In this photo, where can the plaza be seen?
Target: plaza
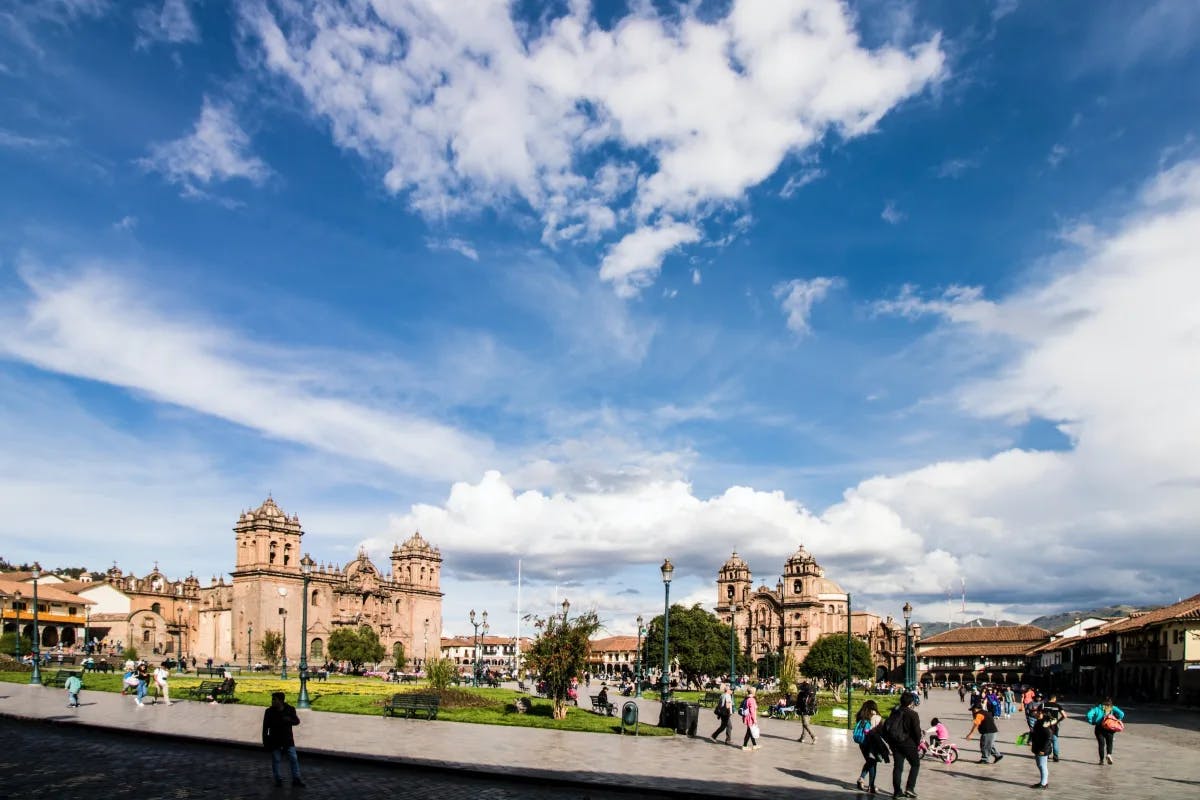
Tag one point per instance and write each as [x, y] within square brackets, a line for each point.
[1154, 756]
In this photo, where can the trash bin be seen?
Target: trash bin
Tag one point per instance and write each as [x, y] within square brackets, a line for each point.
[681, 718]
[693, 718]
[666, 714]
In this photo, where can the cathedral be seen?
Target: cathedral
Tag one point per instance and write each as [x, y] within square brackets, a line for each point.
[225, 621]
[803, 607]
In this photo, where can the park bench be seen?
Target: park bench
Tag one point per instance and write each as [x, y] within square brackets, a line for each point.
[211, 689]
[215, 672]
[319, 675]
[97, 666]
[710, 699]
[409, 704]
[59, 678]
[600, 707]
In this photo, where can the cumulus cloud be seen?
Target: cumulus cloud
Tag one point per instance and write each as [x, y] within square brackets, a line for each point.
[796, 297]
[1105, 346]
[216, 150]
[890, 214]
[171, 22]
[89, 325]
[454, 245]
[634, 129]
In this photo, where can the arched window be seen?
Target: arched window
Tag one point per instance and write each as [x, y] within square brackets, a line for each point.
[317, 648]
[287, 554]
[798, 587]
[145, 636]
[271, 554]
[316, 598]
[729, 591]
[156, 608]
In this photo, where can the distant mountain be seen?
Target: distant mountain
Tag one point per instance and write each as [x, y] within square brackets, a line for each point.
[934, 628]
[1057, 622]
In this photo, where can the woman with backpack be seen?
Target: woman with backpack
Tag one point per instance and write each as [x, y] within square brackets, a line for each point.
[1108, 721]
[866, 736]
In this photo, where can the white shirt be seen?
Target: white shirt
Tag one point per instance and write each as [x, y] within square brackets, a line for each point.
[160, 675]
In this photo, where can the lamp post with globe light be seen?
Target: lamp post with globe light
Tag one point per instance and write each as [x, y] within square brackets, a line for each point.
[667, 569]
[637, 670]
[283, 618]
[733, 609]
[910, 669]
[36, 676]
[475, 649]
[306, 565]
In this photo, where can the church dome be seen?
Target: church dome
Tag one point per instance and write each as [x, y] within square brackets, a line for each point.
[734, 562]
[414, 544]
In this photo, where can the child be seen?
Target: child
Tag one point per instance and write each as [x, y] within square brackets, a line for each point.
[937, 733]
[73, 685]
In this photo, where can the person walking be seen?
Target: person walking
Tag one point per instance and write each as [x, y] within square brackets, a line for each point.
[143, 682]
[749, 712]
[1052, 717]
[1040, 740]
[1010, 701]
[724, 712]
[985, 724]
[73, 686]
[806, 707]
[902, 732]
[962, 693]
[278, 721]
[161, 673]
[866, 736]
[1108, 721]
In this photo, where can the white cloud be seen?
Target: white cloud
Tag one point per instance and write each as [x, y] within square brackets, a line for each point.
[955, 167]
[623, 130]
[172, 23]
[801, 179]
[126, 223]
[634, 262]
[695, 277]
[797, 298]
[454, 245]
[17, 141]
[91, 326]
[1057, 153]
[216, 150]
[1107, 344]
[890, 214]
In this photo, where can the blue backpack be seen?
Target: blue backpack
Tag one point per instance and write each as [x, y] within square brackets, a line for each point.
[861, 730]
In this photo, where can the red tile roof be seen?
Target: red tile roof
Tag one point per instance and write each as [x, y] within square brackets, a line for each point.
[1184, 609]
[986, 635]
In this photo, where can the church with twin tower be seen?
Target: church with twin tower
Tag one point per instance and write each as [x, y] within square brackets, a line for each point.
[404, 606]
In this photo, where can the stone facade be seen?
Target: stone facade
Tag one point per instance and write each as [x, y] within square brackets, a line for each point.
[404, 607]
[803, 607]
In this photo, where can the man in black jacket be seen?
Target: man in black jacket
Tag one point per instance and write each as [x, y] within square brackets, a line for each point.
[278, 721]
[902, 731]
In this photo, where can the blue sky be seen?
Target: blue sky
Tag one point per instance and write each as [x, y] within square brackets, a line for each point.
[593, 285]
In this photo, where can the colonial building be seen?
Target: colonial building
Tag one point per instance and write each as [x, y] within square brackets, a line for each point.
[494, 652]
[613, 655]
[974, 654]
[62, 616]
[404, 606]
[803, 607]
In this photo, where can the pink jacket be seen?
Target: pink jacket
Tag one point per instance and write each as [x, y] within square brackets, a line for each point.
[751, 717]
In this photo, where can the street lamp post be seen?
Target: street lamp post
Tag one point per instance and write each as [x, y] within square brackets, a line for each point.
[475, 649]
[425, 658]
[637, 669]
[36, 677]
[16, 598]
[306, 565]
[733, 609]
[249, 639]
[178, 641]
[283, 614]
[87, 621]
[910, 671]
[667, 569]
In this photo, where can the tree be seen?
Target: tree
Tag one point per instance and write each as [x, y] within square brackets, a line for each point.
[271, 645]
[9, 647]
[699, 641]
[398, 657]
[359, 646]
[559, 653]
[826, 661]
[788, 672]
[440, 671]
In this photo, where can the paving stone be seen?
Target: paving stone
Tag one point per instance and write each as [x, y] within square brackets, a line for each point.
[1155, 756]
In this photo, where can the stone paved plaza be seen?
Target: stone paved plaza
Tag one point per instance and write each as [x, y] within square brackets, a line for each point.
[1155, 757]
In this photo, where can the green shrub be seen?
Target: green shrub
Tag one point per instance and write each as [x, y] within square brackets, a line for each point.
[440, 672]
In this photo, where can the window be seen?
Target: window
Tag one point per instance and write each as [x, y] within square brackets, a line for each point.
[316, 598]
[317, 648]
[797, 587]
[271, 554]
[729, 591]
[156, 608]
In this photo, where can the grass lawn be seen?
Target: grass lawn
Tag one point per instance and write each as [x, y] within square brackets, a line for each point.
[349, 695]
[825, 704]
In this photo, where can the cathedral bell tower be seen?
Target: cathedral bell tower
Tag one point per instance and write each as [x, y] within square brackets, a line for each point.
[268, 540]
[733, 584]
